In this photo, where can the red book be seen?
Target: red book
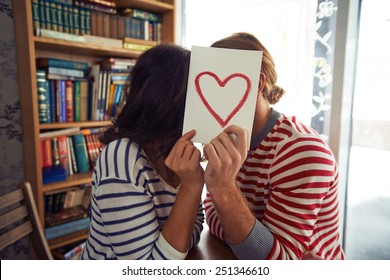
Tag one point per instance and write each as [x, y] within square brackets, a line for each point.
[63, 152]
[69, 101]
[46, 153]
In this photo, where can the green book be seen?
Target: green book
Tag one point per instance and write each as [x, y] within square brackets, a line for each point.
[35, 14]
[60, 18]
[80, 149]
[53, 16]
[42, 14]
[76, 99]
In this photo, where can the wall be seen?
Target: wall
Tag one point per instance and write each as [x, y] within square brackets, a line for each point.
[11, 148]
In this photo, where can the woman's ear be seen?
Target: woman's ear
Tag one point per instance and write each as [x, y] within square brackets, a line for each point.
[261, 83]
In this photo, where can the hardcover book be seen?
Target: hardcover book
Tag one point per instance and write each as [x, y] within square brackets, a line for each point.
[61, 63]
[81, 153]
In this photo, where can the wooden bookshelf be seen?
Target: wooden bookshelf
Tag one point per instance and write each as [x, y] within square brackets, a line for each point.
[63, 46]
[29, 47]
[51, 126]
[68, 239]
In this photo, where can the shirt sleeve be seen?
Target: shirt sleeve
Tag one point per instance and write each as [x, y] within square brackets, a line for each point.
[303, 177]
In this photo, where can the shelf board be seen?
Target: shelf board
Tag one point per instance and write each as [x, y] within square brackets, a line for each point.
[68, 239]
[63, 46]
[48, 126]
[71, 181]
[147, 5]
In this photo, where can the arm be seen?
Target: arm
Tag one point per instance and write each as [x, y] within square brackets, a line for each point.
[184, 161]
[225, 158]
[289, 242]
[127, 213]
[302, 211]
[198, 226]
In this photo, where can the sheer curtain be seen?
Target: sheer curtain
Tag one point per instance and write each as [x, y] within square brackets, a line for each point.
[286, 27]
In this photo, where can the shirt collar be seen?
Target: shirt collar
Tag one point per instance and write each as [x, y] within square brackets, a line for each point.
[256, 139]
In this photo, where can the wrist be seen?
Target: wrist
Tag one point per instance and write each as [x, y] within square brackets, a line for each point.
[222, 191]
[192, 188]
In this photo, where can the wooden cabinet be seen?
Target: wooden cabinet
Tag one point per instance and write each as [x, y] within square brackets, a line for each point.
[30, 47]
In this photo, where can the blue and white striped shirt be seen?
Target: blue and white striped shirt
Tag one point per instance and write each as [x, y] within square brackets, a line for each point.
[130, 203]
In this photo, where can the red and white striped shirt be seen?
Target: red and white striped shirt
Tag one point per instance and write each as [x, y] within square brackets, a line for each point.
[290, 181]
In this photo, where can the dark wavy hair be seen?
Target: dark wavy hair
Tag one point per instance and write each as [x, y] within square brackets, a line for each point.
[155, 100]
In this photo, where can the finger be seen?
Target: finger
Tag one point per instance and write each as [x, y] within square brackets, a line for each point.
[227, 141]
[187, 152]
[241, 140]
[188, 135]
[210, 153]
[195, 156]
[219, 147]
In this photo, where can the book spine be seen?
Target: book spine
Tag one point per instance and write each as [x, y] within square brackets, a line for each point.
[65, 18]
[56, 202]
[106, 26]
[42, 14]
[55, 153]
[69, 199]
[50, 224]
[48, 102]
[136, 47]
[116, 100]
[113, 26]
[52, 87]
[66, 228]
[82, 21]
[76, 105]
[84, 100]
[87, 22]
[35, 14]
[53, 15]
[60, 35]
[48, 16]
[120, 28]
[65, 72]
[69, 101]
[42, 97]
[63, 101]
[81, 67]
[99, 24]
[91, 99]
[73, 155]
[80, 149]
[47, 151]
[49, 204]
[70, 155]
[63, 152]
[140, 14]
[94, 91]
[76, 21]
[60, 17]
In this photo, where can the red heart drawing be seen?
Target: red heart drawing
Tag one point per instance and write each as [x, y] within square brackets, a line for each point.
[223, 122]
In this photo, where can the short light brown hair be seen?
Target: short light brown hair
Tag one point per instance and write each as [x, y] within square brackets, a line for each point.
[246, 41]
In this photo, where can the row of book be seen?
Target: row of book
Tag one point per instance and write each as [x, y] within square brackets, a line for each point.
[95, 17]
[58, 202]
[68, 92]
[68, 153]
[67, 211]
